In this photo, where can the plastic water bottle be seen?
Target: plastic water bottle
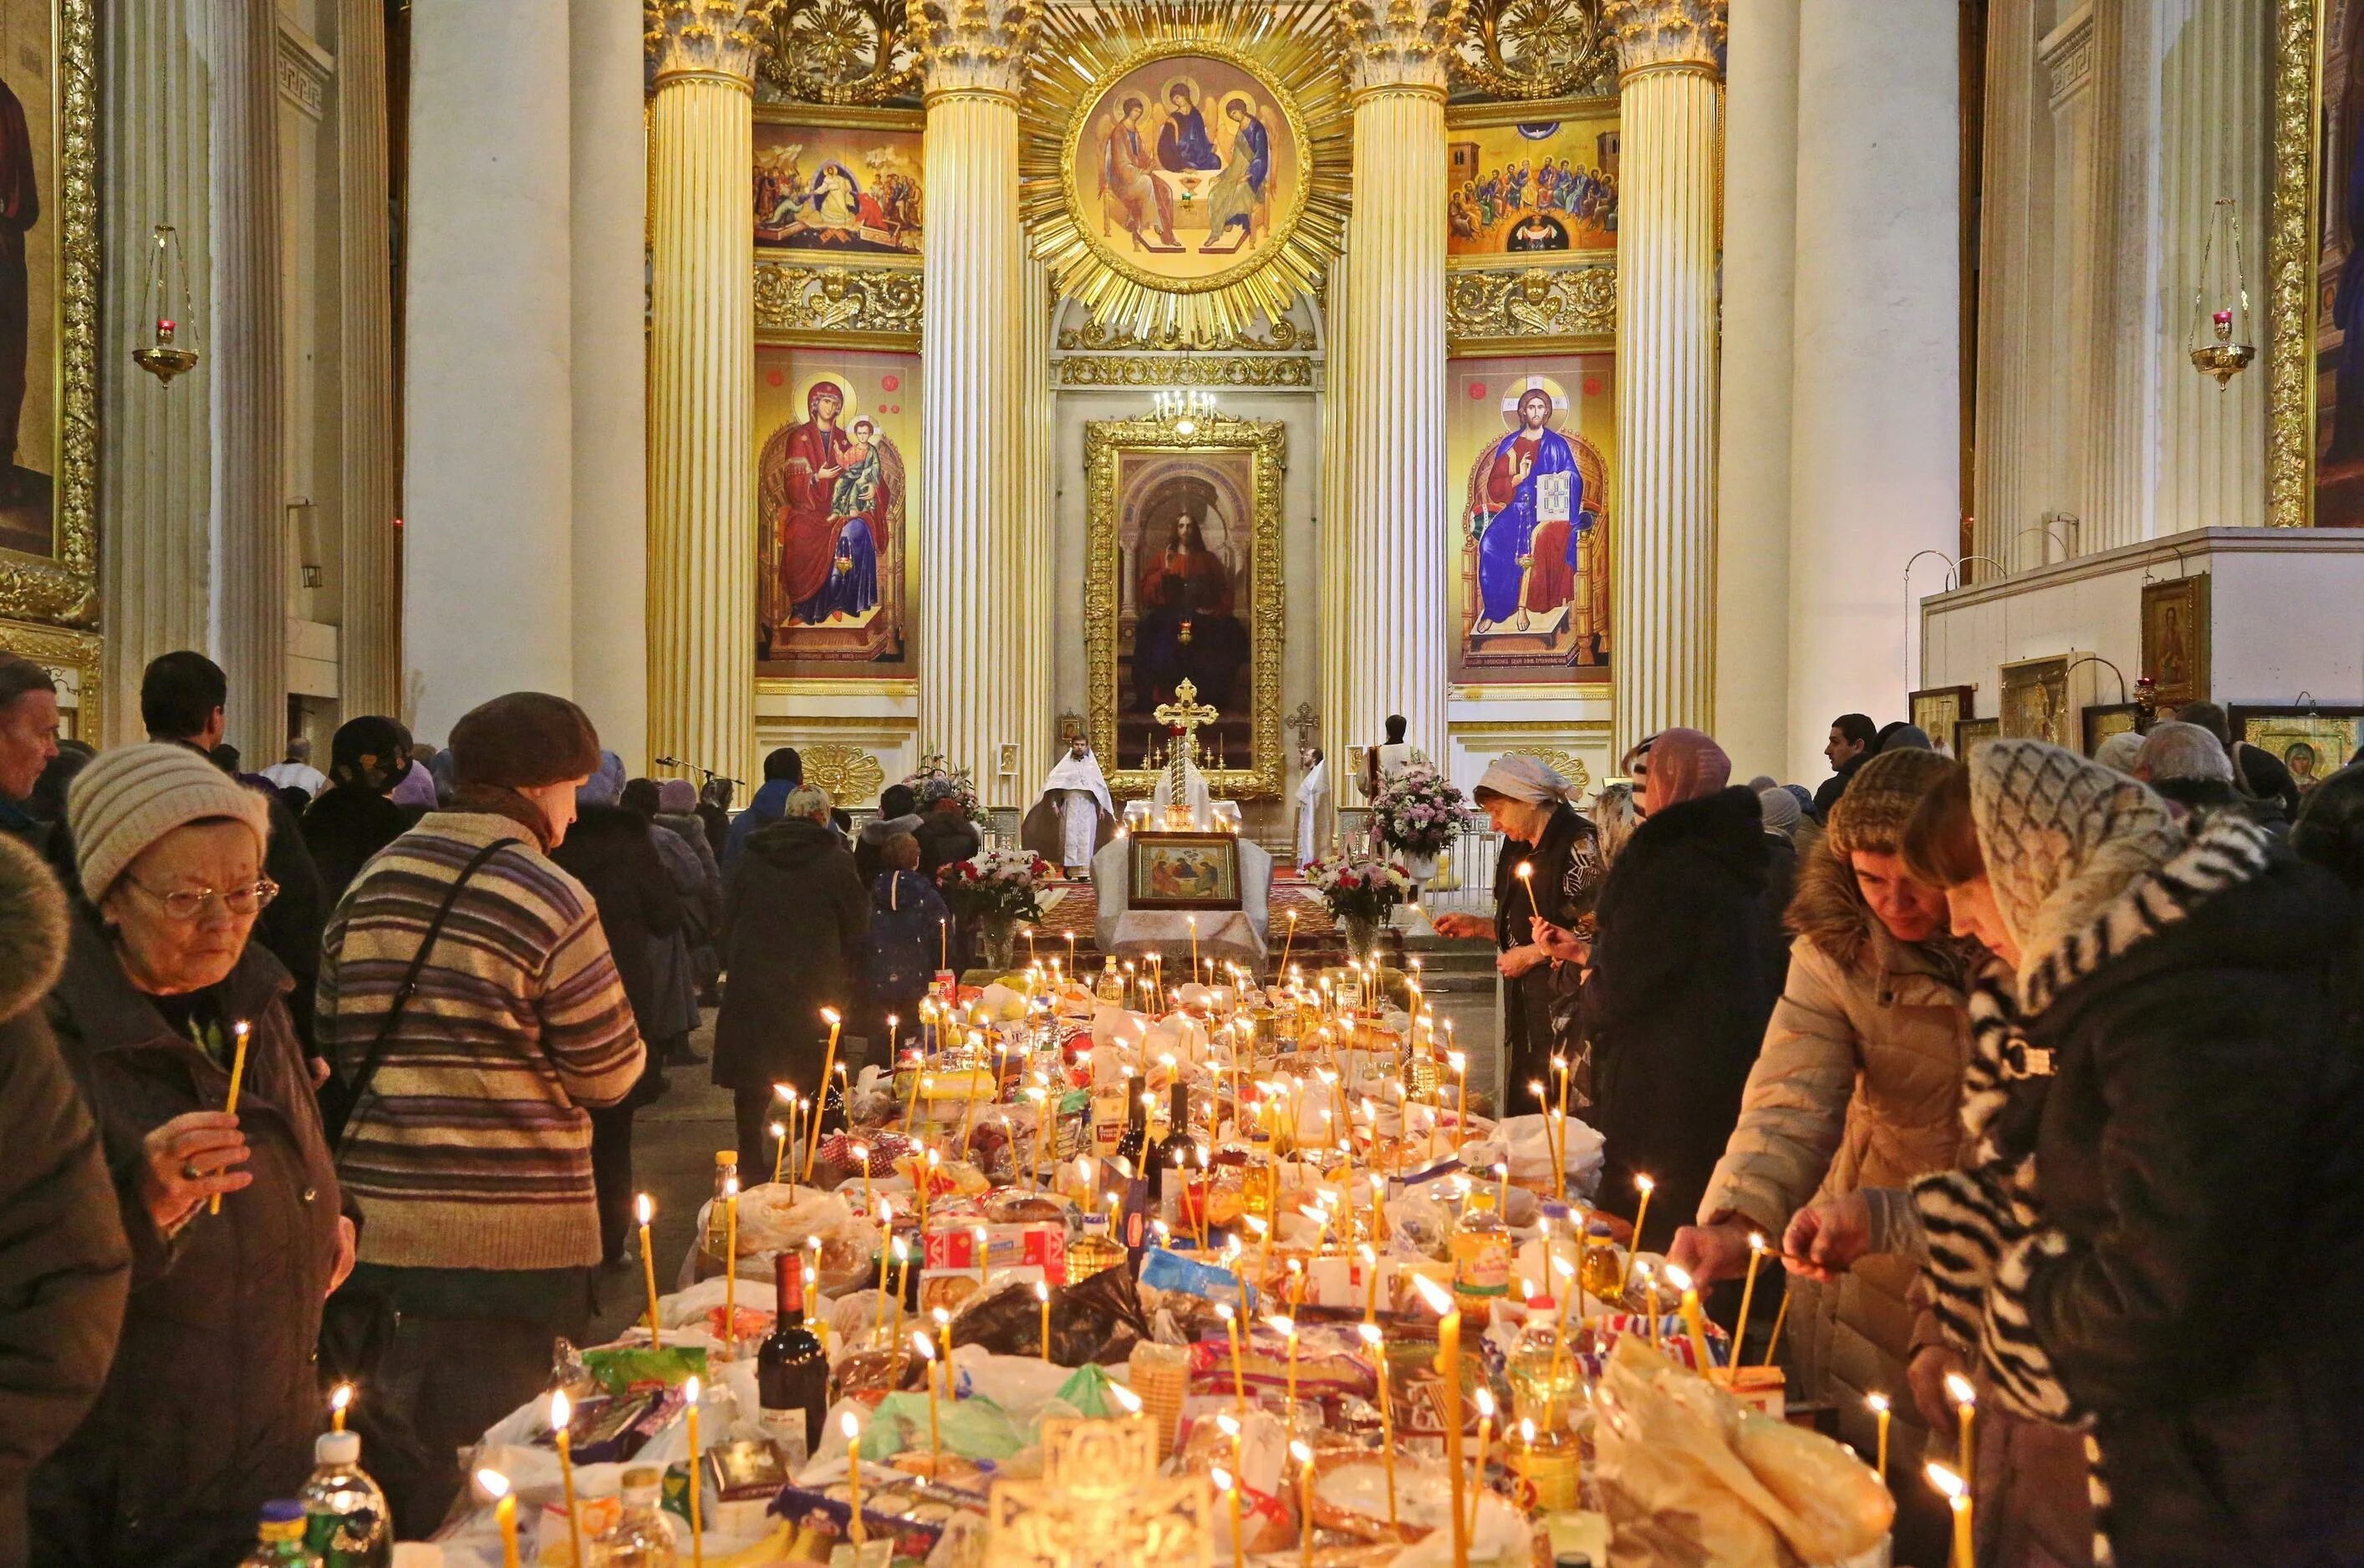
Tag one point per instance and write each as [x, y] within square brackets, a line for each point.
[279, 1538]
[345, 1514]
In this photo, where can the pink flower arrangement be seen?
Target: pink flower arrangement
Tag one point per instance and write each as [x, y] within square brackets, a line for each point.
[1358, 886]
[1418, 811]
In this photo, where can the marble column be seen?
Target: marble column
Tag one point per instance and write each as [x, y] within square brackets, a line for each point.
[1036, 557]
[1752, 545]
[972, 664]
[369, 676]
[488, 481]
[701, 471]
[1335, 666]
[156, 463]
[1662, 532]
[2013, 457]
[609, 195]
[1386, 639]
[1876, 404]
[249, 486]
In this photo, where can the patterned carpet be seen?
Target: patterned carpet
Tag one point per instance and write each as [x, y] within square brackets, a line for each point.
[1073, 905]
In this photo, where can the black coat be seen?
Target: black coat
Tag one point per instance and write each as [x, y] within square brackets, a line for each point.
[794, 916]
[945, 837]
[2202, 1147]
[1685, 971]
[1530, 1002]
[609, 851]
[346, 826]
[212, 1403]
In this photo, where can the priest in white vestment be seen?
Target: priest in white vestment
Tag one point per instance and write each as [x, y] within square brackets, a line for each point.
[1312, 794]
[1074, 817]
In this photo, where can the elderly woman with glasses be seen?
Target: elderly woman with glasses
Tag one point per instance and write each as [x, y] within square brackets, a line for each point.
[212, 1402]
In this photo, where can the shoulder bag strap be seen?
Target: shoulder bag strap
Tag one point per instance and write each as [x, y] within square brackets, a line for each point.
[402, 993]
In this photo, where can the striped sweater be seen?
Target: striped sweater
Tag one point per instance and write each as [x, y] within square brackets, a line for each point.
[472, 1149]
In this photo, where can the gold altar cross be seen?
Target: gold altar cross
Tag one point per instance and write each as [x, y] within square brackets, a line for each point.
[1186, 713]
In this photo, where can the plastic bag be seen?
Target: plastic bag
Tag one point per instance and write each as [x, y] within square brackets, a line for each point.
[971, 1428]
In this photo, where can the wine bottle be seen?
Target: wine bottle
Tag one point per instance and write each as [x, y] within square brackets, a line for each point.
[1133, 1144]
[1169, 1154]
[792, 1370]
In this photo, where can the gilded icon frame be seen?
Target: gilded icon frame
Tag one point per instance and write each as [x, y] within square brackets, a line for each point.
[1106, 443]
[2189, 595]
[62, 588]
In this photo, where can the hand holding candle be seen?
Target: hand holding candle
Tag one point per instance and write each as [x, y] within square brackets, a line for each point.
[1965, 1396]
[240, 1029]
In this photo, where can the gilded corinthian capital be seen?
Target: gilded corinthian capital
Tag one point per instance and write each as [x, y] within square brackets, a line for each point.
[1399, 43]
[723, 39]
[1678, 34]
[974, 46]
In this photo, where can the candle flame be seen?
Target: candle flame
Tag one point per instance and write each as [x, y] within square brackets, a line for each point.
[1678, 1277]
[1876, 1403]
[645, 1206]
[1643, 1184]
[1943, 1477]
[927, 1346]
[1485, 1397]
[1281, 1324]
[1299, 1452]
[1526, 869]
[1433, 1295]
[1126, 1398]
[1227, 1425]
[1527, 1432]
[341, 1396]
[832, 1014]
[692, 1390]
[1042, 1291]
[1959, 1389]
[493, 1484]
[849, 1425]
[561, 1411]
[1756, 1241]
[784, 1091]
[1222, 1477]
[1370, 1332]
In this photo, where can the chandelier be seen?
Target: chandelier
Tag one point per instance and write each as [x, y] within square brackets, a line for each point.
[1183, 409]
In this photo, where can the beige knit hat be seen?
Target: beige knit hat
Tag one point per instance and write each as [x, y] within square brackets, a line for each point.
[126, 799]
[2061, 836]
[1880, 800]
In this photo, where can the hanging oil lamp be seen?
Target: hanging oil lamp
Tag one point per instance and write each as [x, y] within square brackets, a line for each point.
[167, 269]
[2224, 347]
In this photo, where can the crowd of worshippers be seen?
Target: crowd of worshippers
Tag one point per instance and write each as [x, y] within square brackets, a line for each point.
[2036, 1069]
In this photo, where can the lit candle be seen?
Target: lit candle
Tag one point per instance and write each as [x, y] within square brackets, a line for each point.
[1042, 1299]
[902, 1283]
[690, 1390]
[1304, 1457]
[496, 1485]
[1526, 874]
[1460, 1061]
[1230, 1488]
[1374, 1341]
[887, 1227]
[935, 1430]
[1289, 941]
[562, 1436]
[1503, 1190]
[1748, 1295]
[1646, 1187]
[1485, 1397]
[1880, 1412]
[779, 1131]
[646, 1206]
[1194, 945]
[240, 1029]
[1231, 1331]
[1448, 1363]
[821, 1101]
[1288, 1325]
[860, 1153]
[1694, 1325]
[730, 1266]
[1773, 1341]
[339, 1399]
[852, 1430]
[1966, 1406]
[1956, 1491]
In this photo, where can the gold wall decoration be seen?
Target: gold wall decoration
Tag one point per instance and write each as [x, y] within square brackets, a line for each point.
[1535, 49]
[74, 660]
[48, 516]
[1280, 336]
[848, 304]
[1148, 487]
[1162, 369]
[1158, 220]
[2292, 302]
[850, 774]
[1571, 307]
[841, 52]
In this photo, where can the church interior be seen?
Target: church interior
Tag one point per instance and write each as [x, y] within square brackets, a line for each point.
[1257, 515]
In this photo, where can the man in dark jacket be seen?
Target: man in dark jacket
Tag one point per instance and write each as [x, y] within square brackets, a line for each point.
[609, 850]
[794, 916]
[1685, 971]
[181, 700]
[353, 819]
[64, 1264]
[1854, 741]
[783, 771]
[29, 739]
[944, 832]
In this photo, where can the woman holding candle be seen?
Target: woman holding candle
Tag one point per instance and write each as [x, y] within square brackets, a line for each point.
[2158, 1227]
[1527, 804]
[212, 1402]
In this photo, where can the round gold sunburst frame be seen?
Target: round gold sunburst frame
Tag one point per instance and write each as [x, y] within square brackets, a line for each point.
[1291, 52]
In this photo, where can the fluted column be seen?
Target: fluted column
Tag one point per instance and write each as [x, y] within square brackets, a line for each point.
[248, 488]
[1336, 664]
[1036, 556]
[156, 463]
[1760, 227]
[1876, 404]
[973, 676]
[701, 471]
[1385, 642]
[369, 677]
[607, 229]
[488, 473]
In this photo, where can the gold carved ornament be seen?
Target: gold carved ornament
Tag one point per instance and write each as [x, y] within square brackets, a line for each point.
[1106, 441]
[1158, 370]
[843, 51]
[1101, 1502]
[1521, 303]
[63, 587]
[1535, 49]
[720, 39]
[848, 773]
[793, 298]
[1291, 50]
[1282, 335]
[2291, 261]
[1567, 764]
[1666, 35]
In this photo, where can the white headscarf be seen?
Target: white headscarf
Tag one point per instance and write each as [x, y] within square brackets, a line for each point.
[1523, 778]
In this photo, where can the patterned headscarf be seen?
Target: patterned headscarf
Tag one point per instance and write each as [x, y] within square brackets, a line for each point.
[1684, 764]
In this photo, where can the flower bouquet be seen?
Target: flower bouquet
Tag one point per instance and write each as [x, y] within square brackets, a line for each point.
[937, 779]
[1360, 892]
[998, 888]
[1419, 811]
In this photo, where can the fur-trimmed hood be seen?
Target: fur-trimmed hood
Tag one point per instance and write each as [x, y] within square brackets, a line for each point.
[32, 928]
[1828, 910]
